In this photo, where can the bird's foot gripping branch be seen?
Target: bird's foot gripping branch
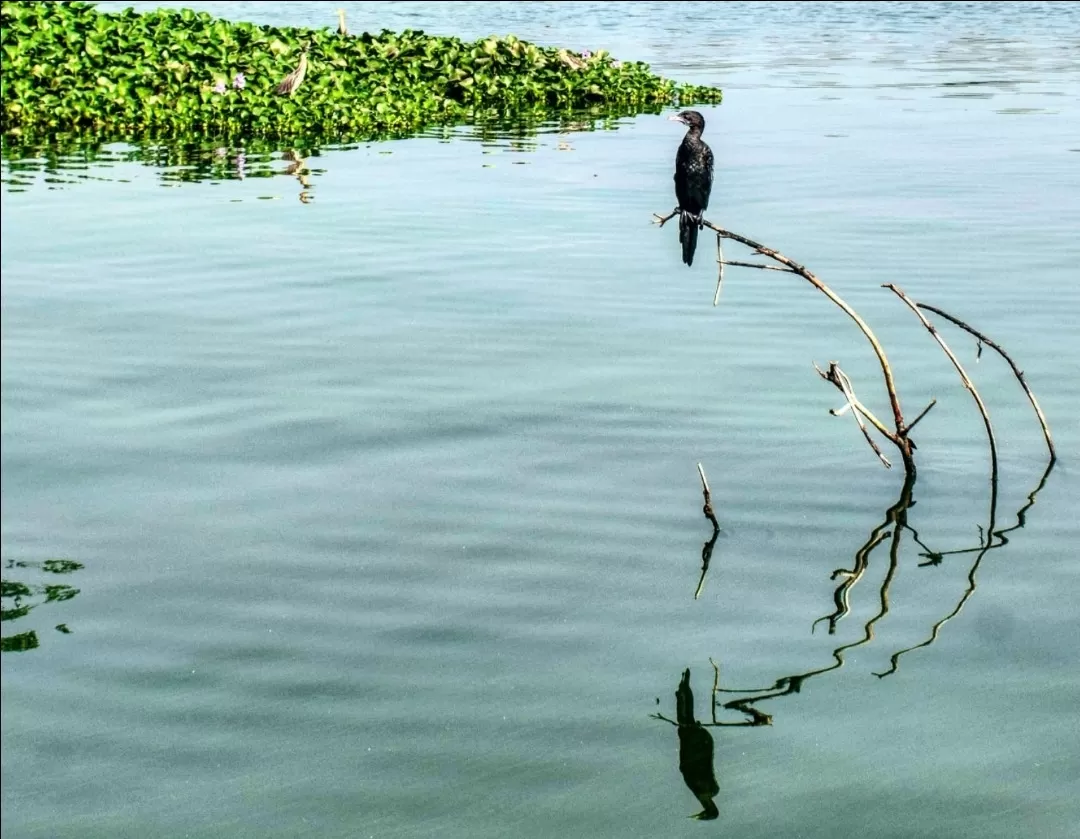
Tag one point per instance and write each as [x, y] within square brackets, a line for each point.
[68, 67]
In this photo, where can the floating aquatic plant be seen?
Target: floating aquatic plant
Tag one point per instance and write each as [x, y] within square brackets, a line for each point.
[70, 68]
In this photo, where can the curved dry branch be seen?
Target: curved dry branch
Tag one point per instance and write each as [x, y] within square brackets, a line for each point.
[1016, 370]
[911, 304]
[898, 437]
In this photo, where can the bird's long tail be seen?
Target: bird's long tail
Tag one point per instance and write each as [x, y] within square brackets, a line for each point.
[688, 230]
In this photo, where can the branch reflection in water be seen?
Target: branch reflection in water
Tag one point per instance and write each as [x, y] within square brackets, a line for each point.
[696, 743]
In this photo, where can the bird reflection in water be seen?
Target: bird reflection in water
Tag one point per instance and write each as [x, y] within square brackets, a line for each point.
[298, 168]
[695, 750]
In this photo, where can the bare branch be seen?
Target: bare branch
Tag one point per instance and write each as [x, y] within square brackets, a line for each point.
[833, 377]
[911, 304]
[922, 414]
[757, 265]
[849, 394]
[720, 274]
[708, 508]
[982, 339]
[895, 436]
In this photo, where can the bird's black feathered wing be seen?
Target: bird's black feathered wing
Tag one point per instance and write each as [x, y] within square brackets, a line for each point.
[693, 184]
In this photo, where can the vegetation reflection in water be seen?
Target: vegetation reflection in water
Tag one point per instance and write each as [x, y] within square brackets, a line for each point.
[20, 599]
[69, 159]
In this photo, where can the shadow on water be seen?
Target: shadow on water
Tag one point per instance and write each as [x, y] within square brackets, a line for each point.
[60, 161]
[19, 599]
[696, 743]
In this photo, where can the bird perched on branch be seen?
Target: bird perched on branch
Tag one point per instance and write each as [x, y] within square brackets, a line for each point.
[291, 82]
[693, 181]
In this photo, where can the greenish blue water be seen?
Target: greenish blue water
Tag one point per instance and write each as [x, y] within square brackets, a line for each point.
[386, 504]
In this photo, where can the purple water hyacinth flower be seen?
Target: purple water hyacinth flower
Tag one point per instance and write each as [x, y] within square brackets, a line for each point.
[586, 54]
[219, 87]
[239, 82]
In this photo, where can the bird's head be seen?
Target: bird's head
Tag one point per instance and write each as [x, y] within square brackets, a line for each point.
[691, 119]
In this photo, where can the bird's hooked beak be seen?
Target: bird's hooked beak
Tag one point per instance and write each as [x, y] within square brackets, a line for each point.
[677, 118]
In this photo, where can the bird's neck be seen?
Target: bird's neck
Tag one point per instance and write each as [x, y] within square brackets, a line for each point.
[693, 133]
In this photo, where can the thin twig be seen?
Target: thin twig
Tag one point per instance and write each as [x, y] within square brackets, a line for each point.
[833, 376]
[720, 272]
[922, 414]
[982, 339]
[911, 304]
[757, 265]
[849, 394]
[708, 508]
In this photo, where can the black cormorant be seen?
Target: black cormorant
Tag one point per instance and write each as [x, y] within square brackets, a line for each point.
[693, 181]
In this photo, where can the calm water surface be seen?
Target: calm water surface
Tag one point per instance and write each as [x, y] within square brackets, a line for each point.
[380, 512]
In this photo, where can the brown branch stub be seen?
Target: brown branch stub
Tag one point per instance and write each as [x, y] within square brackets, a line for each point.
[708, 508]
[922, 414]
[983, 339]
